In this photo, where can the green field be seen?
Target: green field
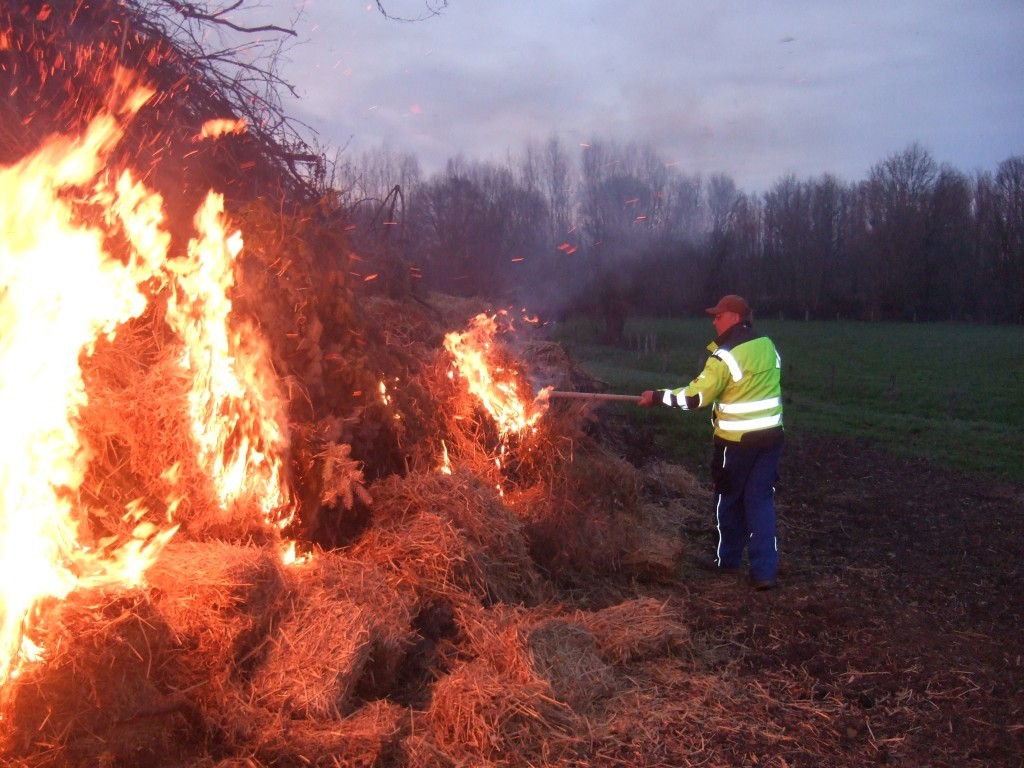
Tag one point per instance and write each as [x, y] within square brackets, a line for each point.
[949, 392]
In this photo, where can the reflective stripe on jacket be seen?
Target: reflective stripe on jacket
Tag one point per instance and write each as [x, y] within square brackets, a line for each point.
[741, 381]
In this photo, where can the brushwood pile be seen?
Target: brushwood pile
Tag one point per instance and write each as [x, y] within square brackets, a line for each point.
[421, 623]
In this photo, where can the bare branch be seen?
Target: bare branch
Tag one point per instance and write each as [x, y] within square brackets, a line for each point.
[193, 11]
[239, 76]
[432, 8]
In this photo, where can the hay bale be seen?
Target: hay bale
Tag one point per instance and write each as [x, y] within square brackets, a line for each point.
[551, 366]
[431, 554]
[530, 644]
[347, 631]
[452, 532]
[140, 432]
[669, 479]
[566, 655]
[652, 555]
[636, 629]
[369, 737]
[404, 323]
[477, 716]
[108, 693]
[102, 696]
[456, 311]
[219, 600]
[579, 524]
[494, 703]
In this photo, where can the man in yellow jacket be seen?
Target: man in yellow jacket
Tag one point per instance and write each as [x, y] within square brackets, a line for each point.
[741, 383]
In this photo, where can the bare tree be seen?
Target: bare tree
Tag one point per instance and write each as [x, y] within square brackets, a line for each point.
[945, 278]
[899, 191]
[1008, 226]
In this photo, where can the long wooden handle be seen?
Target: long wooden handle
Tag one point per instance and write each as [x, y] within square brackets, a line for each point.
[594, 396]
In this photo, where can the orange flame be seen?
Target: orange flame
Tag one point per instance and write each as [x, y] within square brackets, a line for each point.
[61, 291]
[446, 463]
[476, 359]
[218, 127]
[235, 410]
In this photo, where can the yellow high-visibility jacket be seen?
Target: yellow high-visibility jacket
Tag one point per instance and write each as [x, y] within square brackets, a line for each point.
[742, 383]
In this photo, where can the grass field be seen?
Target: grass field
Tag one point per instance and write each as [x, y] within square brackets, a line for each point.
[949, 392]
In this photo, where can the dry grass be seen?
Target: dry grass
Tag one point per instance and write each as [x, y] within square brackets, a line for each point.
[641, 628]
[104, 654]
[567, 655]
[497, 707]
[345, 621]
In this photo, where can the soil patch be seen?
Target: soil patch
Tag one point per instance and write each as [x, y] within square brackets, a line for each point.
[894, 638]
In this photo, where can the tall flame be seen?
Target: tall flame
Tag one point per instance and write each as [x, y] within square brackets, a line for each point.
[60, 292]
[234, 419]
[477, 361]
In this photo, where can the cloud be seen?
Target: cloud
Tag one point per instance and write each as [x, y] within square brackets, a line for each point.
[754, 90]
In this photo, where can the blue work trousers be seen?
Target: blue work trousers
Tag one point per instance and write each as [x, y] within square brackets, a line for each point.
[744, 483]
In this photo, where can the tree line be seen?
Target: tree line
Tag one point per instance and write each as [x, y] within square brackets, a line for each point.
[615, 230]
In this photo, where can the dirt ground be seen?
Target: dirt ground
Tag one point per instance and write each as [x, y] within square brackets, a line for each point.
[894, 638]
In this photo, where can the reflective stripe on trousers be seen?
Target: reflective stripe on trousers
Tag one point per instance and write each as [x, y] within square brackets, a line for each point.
[745, 480]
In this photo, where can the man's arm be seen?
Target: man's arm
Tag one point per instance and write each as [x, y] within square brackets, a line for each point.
[699, 393]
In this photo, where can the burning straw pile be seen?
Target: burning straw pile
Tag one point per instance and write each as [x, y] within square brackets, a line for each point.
[430, 637]
[249, 516]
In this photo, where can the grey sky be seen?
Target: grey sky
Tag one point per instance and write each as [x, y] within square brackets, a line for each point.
[755, 88]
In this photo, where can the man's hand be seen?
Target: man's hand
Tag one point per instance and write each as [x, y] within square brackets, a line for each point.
[648, 399]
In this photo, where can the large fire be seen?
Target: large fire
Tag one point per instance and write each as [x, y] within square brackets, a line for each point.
[60, 292]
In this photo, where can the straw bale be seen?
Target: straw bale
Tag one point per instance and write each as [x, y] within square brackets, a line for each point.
[579, 524]
[219, 600]
[370, 736]
[103, 695]
[347, 633]
[453, 531]
[636, 629]
[404, 322]
[137, 426]
[139, 430]
[477, 714]
[653, 554]
[496, 635]
[431, 554]
[670, 479]
[455, 312]
[566, 655]
[551, 366]
[530, 644]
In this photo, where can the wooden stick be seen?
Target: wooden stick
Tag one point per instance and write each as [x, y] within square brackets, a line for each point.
[594, 396]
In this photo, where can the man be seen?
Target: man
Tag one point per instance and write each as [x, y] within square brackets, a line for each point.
[741, 384]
